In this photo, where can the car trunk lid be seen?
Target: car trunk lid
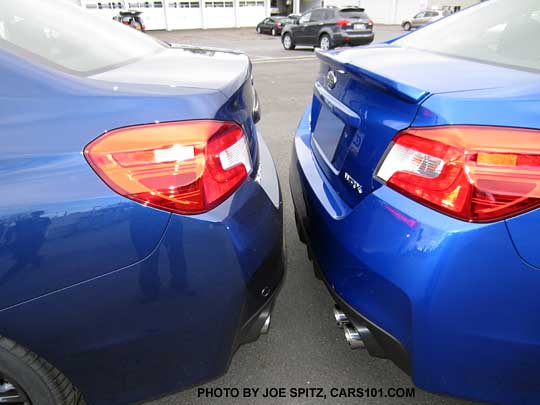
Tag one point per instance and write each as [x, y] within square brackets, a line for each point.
[364, 97]
[186, 67]
[181, 67]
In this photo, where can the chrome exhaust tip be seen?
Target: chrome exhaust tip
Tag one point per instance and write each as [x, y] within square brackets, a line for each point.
[341, 318]
[354, 337]
[266, 325]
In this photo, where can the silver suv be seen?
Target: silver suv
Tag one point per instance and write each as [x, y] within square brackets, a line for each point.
[422, 18]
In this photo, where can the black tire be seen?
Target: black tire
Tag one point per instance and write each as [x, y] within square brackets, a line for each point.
[258, 30]
[288, 44]
[323, 40]
[274, 32]
[36, 380]
[407, 26]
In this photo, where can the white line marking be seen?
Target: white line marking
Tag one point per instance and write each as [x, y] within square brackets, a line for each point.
[283, 59]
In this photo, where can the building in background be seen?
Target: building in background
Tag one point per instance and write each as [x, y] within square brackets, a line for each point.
[191, 14]
[281, 7]
[454, 5]
[387, 11]
[186, 14]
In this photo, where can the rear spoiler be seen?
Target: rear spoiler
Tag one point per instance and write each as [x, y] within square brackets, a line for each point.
[352, 8]
[403, 91]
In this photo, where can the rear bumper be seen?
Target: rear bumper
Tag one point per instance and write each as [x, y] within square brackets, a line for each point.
[462, 323]
[385, 345]
[343, 38]
[174, 319]
[382, 344]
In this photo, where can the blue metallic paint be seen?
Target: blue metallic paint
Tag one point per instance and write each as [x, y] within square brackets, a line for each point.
[163, 323]
[511, 106]
[458, 296]
[128, 301]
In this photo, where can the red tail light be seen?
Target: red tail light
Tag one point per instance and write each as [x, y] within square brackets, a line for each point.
[370, 23]
[474, 173]
[187, 167]
[278, 25]
[343, 23]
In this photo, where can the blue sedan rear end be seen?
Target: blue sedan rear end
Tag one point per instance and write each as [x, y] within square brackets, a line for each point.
[415, 179]
[141, 218]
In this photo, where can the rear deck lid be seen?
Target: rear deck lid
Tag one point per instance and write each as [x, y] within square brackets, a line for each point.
[364, 96]
[184, 66]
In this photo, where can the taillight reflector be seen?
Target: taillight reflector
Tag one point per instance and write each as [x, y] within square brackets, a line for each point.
[186, 167]
[474, 173]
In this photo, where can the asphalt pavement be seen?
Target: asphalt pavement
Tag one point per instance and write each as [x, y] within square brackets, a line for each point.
[304, 348]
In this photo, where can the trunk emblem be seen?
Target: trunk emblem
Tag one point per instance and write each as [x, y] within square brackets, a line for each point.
[331, 80]
[352, 182]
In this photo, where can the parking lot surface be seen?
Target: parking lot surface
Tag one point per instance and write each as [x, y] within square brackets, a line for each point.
[304, 348]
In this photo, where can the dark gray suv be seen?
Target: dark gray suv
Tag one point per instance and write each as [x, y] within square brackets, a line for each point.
[328, 28]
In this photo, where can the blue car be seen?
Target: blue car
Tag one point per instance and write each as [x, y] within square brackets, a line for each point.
[416, 184]
[141, 215]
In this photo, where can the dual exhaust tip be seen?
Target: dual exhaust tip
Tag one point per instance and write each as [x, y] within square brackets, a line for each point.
[353, 334]
[266, 325]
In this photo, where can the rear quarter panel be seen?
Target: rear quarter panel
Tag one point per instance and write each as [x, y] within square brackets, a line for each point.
[516, 106]
[59, 223]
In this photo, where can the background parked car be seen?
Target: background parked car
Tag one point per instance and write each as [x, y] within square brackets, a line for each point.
[422, 18]
[273, 25]
[417, 191]
[131, 18]
[141, 218]
[328, 28]
[294, 17]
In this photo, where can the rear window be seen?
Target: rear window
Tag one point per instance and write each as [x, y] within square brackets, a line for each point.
[503, 32]
[283, 20]
[68, 37]
[353, 13]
